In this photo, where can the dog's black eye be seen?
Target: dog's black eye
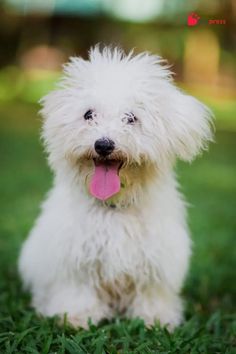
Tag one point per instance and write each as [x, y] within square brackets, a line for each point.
[130, 118]
[89, 115]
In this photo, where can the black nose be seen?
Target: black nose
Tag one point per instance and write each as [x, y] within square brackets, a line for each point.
[104, 146]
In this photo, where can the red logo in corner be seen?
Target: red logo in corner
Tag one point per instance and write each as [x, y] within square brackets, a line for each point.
[193, 19]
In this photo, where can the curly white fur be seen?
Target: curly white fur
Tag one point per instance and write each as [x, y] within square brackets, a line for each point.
[83, 257]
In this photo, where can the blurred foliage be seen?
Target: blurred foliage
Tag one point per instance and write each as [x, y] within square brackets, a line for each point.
[28, 87]
[36, 43]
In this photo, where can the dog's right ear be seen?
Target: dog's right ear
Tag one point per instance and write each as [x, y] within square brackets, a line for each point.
[189, 126]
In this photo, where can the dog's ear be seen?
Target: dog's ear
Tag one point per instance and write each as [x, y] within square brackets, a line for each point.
[189, 125]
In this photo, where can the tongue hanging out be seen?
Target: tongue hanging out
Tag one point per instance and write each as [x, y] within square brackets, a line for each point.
[105, 181]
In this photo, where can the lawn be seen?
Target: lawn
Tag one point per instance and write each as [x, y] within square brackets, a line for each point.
[210, 291]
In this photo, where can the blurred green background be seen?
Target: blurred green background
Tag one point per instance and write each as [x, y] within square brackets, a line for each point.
[36, 38]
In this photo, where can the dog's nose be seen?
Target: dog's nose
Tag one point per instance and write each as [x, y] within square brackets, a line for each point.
[104, 146]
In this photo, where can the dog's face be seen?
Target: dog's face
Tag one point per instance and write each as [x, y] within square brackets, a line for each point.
[118, 120]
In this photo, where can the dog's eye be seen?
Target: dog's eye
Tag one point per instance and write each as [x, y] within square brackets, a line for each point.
[89, 115]
[130, 118]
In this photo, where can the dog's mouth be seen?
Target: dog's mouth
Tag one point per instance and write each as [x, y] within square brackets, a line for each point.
[105, 181]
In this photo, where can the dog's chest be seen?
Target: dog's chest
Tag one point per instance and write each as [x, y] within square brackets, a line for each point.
[116, 244]
[115, 251]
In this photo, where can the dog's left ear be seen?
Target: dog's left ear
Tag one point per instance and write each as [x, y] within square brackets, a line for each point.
[189, 125]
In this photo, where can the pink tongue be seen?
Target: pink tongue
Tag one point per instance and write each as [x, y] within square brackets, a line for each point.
[105, 180]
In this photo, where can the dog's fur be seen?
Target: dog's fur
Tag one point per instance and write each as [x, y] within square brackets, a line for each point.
[93, 259]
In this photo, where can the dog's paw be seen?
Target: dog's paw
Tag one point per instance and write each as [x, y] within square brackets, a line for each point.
[165, 309]
[169, 320]
[82, 320]
[76, 321]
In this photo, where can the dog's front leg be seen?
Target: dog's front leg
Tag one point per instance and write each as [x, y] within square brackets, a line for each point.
[78, 303]
[155, 303]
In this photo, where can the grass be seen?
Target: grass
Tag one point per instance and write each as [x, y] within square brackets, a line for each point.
[209, 184]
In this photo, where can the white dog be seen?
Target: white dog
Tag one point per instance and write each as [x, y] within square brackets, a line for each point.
[112, 235]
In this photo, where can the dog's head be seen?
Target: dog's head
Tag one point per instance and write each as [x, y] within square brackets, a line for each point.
[116, 120]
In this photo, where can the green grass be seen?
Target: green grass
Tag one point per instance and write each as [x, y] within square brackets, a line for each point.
[209, 185]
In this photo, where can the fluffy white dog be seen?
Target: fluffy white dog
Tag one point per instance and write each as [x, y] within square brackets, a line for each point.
[112, 235]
